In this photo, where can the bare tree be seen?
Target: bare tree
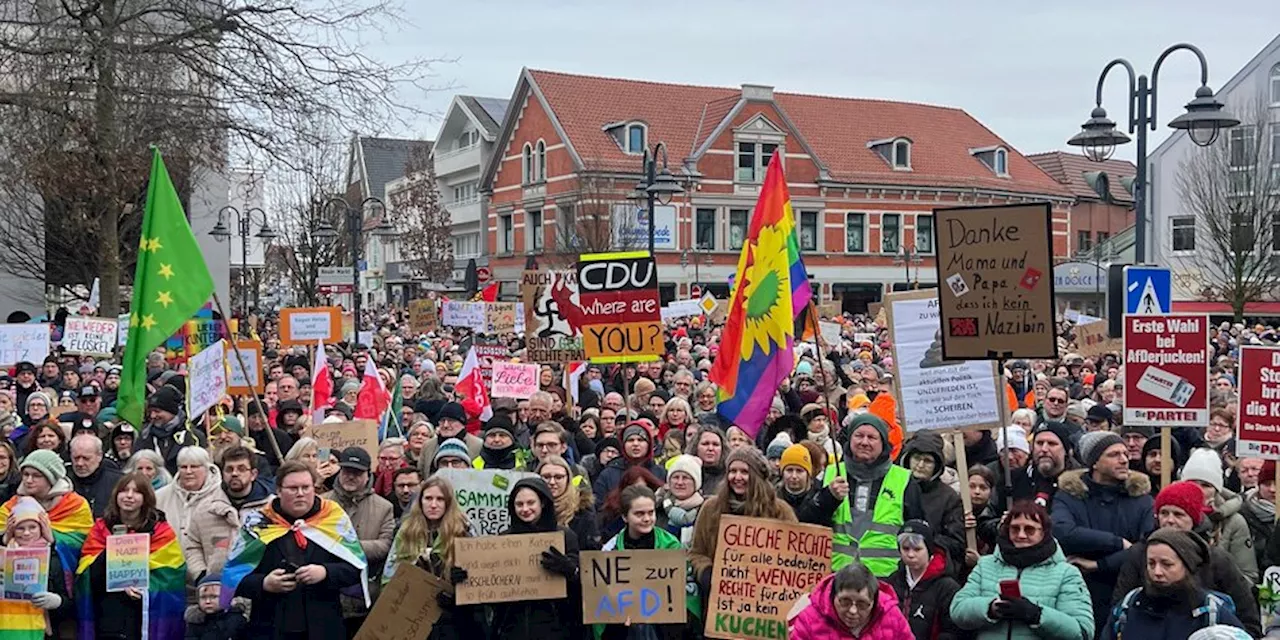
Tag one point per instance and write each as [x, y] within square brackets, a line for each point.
[593, 218]
[301, 196]
[1232, 188]
[89, 84]
[421, 220]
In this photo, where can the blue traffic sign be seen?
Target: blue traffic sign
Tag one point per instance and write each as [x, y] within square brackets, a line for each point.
[1147, 291]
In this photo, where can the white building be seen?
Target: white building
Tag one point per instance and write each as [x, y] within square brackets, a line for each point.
[463, 147]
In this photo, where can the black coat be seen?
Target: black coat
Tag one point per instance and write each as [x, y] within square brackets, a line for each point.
[815, 506]
[221, 625]
[168, 442]
[943, 509]
[97, 487]
[540, 619]
[927, 606]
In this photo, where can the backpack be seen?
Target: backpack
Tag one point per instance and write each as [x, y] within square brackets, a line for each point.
[1214, 602]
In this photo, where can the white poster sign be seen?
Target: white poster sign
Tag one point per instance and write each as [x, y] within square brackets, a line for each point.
[456, 313]
[830, 333]
[482, 495]
[206, 378]
[122, 329]
[24, 343]
[631, 227]
[681, 309]
[90, 336]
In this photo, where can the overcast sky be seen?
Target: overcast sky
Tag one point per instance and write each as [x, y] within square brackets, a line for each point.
[1025, 69]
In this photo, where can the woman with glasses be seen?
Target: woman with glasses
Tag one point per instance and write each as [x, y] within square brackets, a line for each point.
[849, 603]
[575, 507]
[1026, 589]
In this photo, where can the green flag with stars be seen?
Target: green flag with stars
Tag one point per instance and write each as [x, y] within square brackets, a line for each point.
[170, 284]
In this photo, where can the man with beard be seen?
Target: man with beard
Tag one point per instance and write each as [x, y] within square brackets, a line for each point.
[1051, 454]
[450, 423]
[1055, 402]
[262, 432]
[240, 481]
[111, 386]
[405, 486]
[51, 373]
[167, 431]
[373, 519]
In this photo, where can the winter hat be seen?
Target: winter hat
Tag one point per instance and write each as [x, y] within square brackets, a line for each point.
[26, 508]
[1185, 495]
[685, 463]
[875, 422]
[1076, 410]
[1094, 443]
[350, 386]
[917, 527]
[453, 411]
[797, 455]
[1145, 432]
[634, 429]
[1100, 413]
[1058, 429]
[1175, 450]
[777, 446]
[778, 405]
[212, 579]
[38, 395]
[451, 448]
[1205, 466]
[233, 424]
[47, 463]
[1220, 632]
[166, 399]
[643, 386]
[612, 442]
[1190, 547]
[752, 458]
[1268, 473]
[1017, 439]
[499, 424]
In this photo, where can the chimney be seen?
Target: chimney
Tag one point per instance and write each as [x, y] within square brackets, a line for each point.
[757, 92]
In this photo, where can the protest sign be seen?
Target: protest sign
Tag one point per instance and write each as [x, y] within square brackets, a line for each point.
[365, 338]
[306, 325]
[499, 317]
[761, 568]
[468, 315]
[482, 495]
[859, 338]
[24, 343]
[552, 316]
[206, 379]
[1258, 420]
[633, 587]
[681, 309]
[512, 380]
[621, 307]
[507, 568]
[406, 608]
[1092, 339]
[934, 393]
[995, 276]
[489, 352]
[128, 559]
[90, 336]
[422, 316]
[830, 309]
[1166, 371]
[830, 332]
[122, 329]
[249, 379]
[26, 572]
[337, 436]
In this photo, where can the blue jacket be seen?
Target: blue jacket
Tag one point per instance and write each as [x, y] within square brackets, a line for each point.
[1158, 621]
[1065, 608]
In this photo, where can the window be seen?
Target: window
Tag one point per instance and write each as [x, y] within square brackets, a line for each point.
[1275, 85]
[635, 138]
[506, 234]
[542, 161]
[737, 228]
[1002, 162]
[467, 140]
[1242, 157]
[902, 154]
[924, 233]
[1103, 236]
[1275, 235]
[1084, 241]
[890, 232]
[466, 193]
[705, 229]
[535, 230]
[466, 245]
[995, 158]
[526, 163]
[753, 160]
[855, 229]
[808, 230]
[1183, 233]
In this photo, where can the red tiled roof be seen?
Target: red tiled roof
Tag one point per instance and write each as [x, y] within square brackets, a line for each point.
[1069, 169]
[837, 129]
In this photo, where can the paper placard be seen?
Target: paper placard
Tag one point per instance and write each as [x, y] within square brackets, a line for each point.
[1092, 339]
[365, 338]
[859, 338]
[406, 608]
[306, 325]
[761, 568]
[26, 572]
[122, 329]
[24, 343]
[337, 436]
[499, 317]
[681, 309]
[637, 587]
[482, 496]
[831, 309]
[90, 336]
[468, 315]
[830, 333]
[422, 316]
[206, 378]
[552, 316]
[507, 568]
[512, 380]
[1166, 370]
[128, 559]
[248, 380]
[621, 307]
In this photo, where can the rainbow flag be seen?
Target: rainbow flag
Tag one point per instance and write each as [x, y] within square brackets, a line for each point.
[165, 602]
[71, 519]
[771, 290]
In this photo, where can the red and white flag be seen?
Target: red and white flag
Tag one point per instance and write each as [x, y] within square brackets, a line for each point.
[321, 385]
[573, 373]
[470, 389]
[374, 399]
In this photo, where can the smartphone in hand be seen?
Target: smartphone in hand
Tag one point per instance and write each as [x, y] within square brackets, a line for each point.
[1009, 590]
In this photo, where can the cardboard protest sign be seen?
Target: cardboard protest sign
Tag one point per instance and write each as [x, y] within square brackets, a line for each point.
[90, 336]
[24, 343]
[306, 325]
[552, 316]
[122, 329]
[482, 495]
[458, 313]
[128, 560]
[637, 587]
[499, 317]
[507, 568]
[1166, 370]
[249, 379]
[761, 568]
[512, 380]
[1258, 420]
[1092, 339]
[422, 316]
[934, 393]
[995, 275]
[622, 310]
[206, 379]
[830, 309]
[26, 572]
[406, 608]
[337, 436]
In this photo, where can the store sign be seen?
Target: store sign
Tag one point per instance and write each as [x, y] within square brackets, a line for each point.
[1079, 277]
[631, 227]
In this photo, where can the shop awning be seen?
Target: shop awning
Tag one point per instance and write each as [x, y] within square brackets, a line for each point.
[1224, 309]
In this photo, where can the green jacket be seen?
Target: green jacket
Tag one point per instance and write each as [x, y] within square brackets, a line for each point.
[1066, 612]
[662, 541]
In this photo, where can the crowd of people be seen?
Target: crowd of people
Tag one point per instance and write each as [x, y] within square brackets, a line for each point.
[259, 530]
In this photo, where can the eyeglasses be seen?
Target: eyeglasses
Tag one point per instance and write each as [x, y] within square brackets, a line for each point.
[543, 446]
[1024, 529]
[554, 477]
[298, 490]
[1056, 400]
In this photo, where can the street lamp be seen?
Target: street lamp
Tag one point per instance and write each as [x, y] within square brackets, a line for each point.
[907, 256]
[1098, 136]
[353, 218]
[657, 186]
[244, 220]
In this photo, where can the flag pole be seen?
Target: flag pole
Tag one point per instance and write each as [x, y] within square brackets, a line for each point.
[822, 371]
[235, 348]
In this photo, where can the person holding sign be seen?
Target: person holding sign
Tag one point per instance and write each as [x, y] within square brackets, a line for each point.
[27, 527]
[121, 614]
[533, 510]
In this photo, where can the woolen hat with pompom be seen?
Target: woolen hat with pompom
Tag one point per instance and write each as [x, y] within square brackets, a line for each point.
[26, 508]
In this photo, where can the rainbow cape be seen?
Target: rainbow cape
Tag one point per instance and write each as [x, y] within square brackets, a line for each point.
[165, 603]
[70, 520]
[329, 527]
[771, 289]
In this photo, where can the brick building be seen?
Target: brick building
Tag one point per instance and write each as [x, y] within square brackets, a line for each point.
[864, 177]
[1103, 205]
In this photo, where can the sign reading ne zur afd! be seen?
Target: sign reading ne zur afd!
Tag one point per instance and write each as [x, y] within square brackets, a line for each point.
[618, 293]
[996, 282]
[644, 586]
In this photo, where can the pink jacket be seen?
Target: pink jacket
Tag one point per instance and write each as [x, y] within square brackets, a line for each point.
[819, 621]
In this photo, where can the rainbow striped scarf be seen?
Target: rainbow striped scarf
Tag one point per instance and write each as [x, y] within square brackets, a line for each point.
[329, 527]
[165, 602]
[70, 520]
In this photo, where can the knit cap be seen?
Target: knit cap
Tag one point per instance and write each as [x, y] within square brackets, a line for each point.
[777, 446]
[919, 528]
[1017, 439]
[1185, 495]
[1060, 430]
[47, 463]
[752, 458]
[635, 429]
[499, 423]
[167, 399]
[452, 448]
[1205, 466]
[1094, 443]
[24, 509]
[685, 463]
[1190, 547]
[798, 456]
[612, 442]
[1220, 632]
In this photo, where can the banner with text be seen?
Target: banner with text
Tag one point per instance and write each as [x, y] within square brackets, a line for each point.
[1166, 371]
[337, 436]
[305, 325]
[206, 379]
[422, 316]
[507, 568]
[26, 572]
[24, 343]
[1258, 419]
[406, 608]
[243, 381]
[128, 561]
[513, 380]
[90, 336]
[553, 318]
[482, 495]
[619, 296]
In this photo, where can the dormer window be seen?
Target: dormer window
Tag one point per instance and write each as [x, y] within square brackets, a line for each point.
[895, 151]
[1002, 162]
[635, 138]
[901, 154]
[995, 158]
[630, 136]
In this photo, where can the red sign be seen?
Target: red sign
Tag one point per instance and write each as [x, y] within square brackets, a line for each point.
[483, 274]
[695, 293]
[1166, 371]
[1258, 419]
[330, 289]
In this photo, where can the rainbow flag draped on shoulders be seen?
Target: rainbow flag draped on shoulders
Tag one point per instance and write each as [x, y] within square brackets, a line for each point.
[771, 289]
[70, 520]
[330, 528]
[165, 602]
